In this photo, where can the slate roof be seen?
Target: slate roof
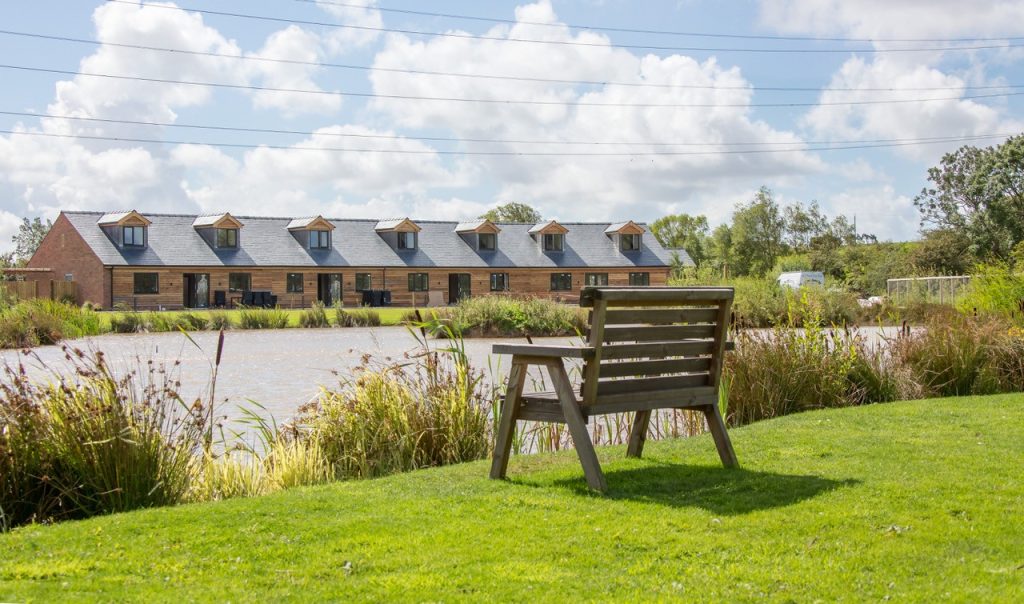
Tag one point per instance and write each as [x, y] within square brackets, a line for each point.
[266, 241]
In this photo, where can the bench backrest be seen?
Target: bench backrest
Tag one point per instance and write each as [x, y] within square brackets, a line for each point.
[654, 344]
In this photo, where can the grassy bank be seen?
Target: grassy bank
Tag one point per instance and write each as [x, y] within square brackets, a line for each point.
[232, 317]
[911, 502]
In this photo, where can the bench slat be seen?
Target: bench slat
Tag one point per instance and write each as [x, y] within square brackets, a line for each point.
[650, 368]
[658, 333]
[657, 350]
[643, 386]
[660, 316]
[670, 399]
[640, 296]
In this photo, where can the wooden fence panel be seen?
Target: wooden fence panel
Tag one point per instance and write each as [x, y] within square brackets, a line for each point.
[22, 290]
[60, 290]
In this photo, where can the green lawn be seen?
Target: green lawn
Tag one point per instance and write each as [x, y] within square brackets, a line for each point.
[388, 315]
[915, 501]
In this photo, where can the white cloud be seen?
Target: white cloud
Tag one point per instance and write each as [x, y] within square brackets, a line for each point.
[292, 44]
[358, 14]
[9, 224]
[585, 187]
[879, 211]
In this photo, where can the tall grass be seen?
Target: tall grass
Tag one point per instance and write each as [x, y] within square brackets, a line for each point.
[501, 315]
[42, 321]
[92, 442]
[314, 316]
[995, 289]
[262, 318]
[357, 317]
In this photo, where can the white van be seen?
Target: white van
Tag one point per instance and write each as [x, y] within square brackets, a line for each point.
[798, 279]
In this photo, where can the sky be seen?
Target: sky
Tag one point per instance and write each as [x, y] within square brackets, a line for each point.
[588, 110]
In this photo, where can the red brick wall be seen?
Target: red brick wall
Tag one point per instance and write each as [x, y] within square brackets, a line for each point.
[64, 251]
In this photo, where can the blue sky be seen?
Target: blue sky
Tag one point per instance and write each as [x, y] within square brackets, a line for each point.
[656, 153]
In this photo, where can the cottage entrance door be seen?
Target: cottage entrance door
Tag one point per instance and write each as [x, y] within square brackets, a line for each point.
[458, 287]
[328, 288]
[196, 288]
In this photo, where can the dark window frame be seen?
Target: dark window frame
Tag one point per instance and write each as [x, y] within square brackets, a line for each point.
[133, 230]
[503, 277]
[553, 242]
[228, 235]
[635, 240]
[644, 278]
[143, 292]
[561, 282]
[248, 282]
[601, 279]
[322, 238]
[492, 237]
[290, 283]
[368, 285]
[403, 242]
[414, 282]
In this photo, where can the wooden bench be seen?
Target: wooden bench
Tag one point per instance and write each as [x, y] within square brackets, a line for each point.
[647, 349]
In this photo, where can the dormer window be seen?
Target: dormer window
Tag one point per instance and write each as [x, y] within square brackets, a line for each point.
[407, 241]
[630, 243]
[481, 234]
[551, 236]
[133, 236]
[487, 242]
[319, 240]
[554, 242]
[227, 238]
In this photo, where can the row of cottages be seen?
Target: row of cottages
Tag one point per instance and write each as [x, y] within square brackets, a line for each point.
[173, 261]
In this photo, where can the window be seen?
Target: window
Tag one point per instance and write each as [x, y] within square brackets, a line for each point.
[554, 242]
[488, 242]
[134, 236]
[147, 283]
[640, 279]
[595, 279]
[629, 243]
[561, 282]
[364, 281]
[499, 282]
[294, 283]
[239, 282]
[319, 240]
[418, 282]
[227, 238]
[407, 241]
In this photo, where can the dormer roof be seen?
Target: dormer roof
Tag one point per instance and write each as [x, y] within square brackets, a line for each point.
[550, 227]
[400, 225]
[318, 223]
[625, 228]
[125, 218]
[477, 226]
[217, 221]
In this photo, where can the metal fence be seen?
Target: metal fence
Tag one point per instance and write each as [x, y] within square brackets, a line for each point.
[943, 290]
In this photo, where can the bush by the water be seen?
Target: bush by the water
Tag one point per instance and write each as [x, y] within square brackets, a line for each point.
[42, 321]
[262, 318]
[508, 316]
[314, 316]
[995, 289]
[357, 317]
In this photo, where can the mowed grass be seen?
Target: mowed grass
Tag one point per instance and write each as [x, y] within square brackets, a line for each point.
[913, 501]
[388, 315]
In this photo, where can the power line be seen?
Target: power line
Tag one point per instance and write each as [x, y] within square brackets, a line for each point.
[488, 153]
[660, 32]
[569, 42]
[499, 101]
[491, 76]
[494, 140]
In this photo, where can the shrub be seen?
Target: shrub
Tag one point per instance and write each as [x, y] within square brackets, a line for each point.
[195, 322]
[315, 316]
[357, 317]
[162, 322]
[219, 320]
[103, 443]
[402, 416]
[995, 289]
[262, 318]
[501, 315]
[126, 322]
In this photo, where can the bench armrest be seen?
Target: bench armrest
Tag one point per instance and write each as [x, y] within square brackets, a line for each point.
[541, 350]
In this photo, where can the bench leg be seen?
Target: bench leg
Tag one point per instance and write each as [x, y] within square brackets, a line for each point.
[577, 427]
[507, 421]
[638, 434]
[722, 442]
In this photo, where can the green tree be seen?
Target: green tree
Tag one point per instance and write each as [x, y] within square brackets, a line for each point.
[757, 235]
[803, 225]
[513, 212]
[979, 192]
[943, 252]
[721, 248]
[682, 231]
[30, 234]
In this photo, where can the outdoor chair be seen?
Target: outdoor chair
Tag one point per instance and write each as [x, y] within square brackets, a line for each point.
[647, 349]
